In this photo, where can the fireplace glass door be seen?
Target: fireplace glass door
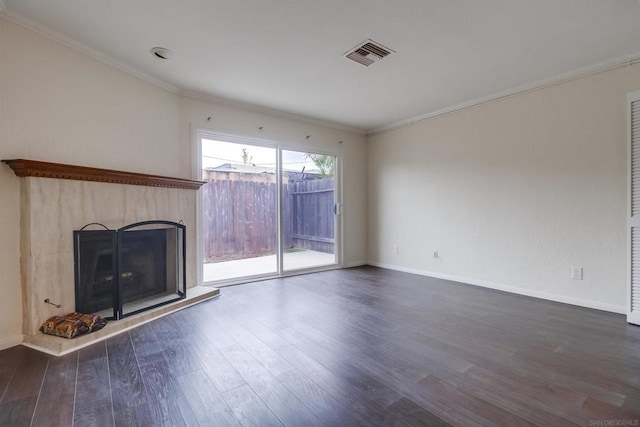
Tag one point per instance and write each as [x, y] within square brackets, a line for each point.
[150, 266]
[138, 267]
[95, 270]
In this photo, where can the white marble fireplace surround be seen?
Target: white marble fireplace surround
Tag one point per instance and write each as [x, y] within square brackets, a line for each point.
[51, 209]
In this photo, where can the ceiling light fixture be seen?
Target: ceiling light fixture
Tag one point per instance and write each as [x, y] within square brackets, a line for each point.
[161, 52]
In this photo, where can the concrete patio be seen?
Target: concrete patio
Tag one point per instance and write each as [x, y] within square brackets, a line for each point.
[264, 265]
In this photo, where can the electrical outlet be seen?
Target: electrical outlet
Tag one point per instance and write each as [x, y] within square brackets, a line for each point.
[396, 250]
[576, 273]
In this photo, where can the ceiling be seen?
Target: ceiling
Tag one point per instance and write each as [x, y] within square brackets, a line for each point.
[288, 55]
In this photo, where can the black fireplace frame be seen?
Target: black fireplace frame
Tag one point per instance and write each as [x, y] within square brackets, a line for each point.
[116, 243]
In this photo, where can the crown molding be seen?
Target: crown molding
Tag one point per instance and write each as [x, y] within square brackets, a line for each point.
[106, 59]
[36, 27]
[540, 84]
[269, 111]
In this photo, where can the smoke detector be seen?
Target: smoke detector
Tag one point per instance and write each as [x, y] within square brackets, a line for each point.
[161, 52]
[368, 52]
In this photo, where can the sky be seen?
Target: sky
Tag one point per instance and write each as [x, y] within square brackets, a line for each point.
[216, 153]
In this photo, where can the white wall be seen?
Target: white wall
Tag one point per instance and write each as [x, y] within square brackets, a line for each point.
[59, 105]
[194, 115]
[512, 193]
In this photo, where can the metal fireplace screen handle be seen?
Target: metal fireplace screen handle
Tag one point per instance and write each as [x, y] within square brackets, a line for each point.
[48, 301]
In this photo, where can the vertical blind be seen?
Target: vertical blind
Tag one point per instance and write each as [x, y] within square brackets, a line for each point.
[633, 308]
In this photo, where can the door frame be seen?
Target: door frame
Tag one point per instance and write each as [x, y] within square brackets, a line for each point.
[198, 133]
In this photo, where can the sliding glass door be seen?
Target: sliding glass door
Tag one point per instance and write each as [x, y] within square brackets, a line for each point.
[239, 210]
[309, 209]
[265, 211]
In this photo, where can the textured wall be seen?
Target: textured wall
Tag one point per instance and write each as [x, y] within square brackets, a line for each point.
[512, 193]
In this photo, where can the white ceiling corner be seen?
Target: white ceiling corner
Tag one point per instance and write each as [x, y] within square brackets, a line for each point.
[287, 59]
[54, 35]
[268, 111]
[551, 81]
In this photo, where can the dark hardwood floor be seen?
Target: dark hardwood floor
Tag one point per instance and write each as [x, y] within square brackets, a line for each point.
[362, 346]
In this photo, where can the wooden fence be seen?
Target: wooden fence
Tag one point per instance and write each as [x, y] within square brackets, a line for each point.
[239, 214]
[309, 218]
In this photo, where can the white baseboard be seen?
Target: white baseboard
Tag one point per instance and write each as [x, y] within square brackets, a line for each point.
[10, 341]
[512, 289]
[355, 264]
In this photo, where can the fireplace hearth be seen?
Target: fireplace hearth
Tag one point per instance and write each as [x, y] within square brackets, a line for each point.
[135, 268]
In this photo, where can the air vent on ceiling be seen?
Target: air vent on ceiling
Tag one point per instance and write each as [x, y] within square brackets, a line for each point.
[368, 52]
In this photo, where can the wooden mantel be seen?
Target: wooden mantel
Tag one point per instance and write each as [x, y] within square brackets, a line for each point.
[25, 168]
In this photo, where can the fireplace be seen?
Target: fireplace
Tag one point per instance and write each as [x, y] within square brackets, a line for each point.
[135, 268]
[55, 200]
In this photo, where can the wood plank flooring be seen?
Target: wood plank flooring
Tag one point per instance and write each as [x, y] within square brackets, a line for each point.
[362, 346]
